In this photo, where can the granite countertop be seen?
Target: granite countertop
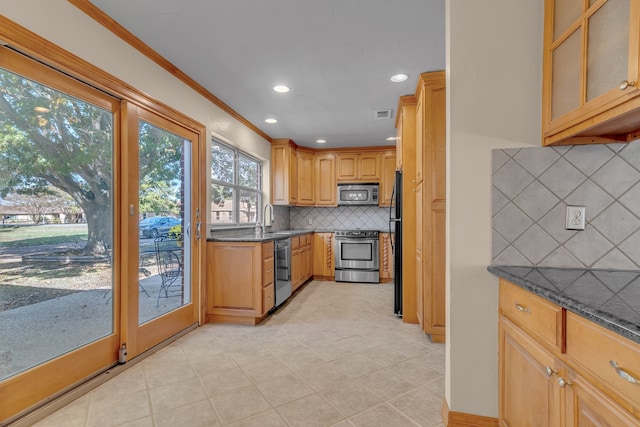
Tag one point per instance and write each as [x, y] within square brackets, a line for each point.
[250, 236]
[610, 298]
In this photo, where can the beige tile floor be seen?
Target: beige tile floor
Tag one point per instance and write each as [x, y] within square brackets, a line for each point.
[333, 355]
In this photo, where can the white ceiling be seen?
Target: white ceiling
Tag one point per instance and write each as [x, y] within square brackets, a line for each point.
[335, 55]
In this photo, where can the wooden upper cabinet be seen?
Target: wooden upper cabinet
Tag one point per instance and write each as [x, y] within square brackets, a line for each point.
[306, 178]
[591, 70]
[353, 167]
[406, 140]
[284, 172]
[325, 174]
[387, 177]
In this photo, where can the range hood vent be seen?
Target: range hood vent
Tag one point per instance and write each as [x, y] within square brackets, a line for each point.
[381, 114]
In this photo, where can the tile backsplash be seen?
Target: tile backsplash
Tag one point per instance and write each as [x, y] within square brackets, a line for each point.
[531, 188]
[340, 218]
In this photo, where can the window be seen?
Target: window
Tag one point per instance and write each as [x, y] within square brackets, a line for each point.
[236, 186]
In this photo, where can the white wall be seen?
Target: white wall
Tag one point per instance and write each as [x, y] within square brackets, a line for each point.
[68, 27]
[494, 86]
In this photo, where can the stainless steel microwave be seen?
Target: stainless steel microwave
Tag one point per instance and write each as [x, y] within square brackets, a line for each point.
[357, 194]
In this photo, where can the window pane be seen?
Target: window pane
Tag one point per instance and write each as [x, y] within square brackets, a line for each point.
[222, 163]
[221, 204]
[248, 206]
[248, 173]
[56, 173]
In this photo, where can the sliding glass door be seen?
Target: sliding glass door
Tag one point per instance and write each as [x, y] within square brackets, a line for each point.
[99, 230]
[162, 230]
[57, 307]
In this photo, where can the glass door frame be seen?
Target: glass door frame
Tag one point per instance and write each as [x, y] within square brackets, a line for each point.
[38, 386]
[46, 379]
[141, 337]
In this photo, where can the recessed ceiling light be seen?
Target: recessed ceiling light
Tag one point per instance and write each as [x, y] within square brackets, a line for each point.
[398, 78]
[281, 89]
[321, 141]
[271, 121]
[391, 138]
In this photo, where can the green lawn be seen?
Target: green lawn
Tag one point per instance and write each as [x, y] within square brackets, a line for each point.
[50, 234]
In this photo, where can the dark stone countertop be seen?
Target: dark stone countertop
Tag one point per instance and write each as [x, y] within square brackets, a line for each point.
[610, 298]
[250, 236]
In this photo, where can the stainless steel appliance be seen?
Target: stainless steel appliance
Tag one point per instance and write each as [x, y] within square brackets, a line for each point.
[358, 194]
[395, 228]
[283, 271]
[357, 256]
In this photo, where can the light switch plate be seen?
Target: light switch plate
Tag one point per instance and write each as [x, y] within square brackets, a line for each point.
[575, 218]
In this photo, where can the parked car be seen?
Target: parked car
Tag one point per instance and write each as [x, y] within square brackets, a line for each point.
[157, 226]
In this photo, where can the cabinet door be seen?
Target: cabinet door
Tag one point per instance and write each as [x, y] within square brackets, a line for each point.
[234, 279]
[420, 285]
[387, 177]
[528, 395]
[306, 179]
[588, 406]
[326, 186]
[369, 167]
[347, 167]
[590, 49]
[386, 257]
[284, 174]
[296, 268]
[323, 263]
[293, 180]
[420, 111]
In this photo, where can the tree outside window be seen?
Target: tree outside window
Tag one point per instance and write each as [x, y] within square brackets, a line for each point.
[236, 186]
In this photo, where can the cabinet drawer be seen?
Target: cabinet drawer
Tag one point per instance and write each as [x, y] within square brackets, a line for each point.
[594, 348]
[267, 271]
[267, 250]
[533, 314]
[268, 300]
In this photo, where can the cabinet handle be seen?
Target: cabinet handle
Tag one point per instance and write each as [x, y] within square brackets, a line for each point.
[523, 308]
[625, 84]
[550, 371]
[562, 383]
[623, 373]
[270, 270]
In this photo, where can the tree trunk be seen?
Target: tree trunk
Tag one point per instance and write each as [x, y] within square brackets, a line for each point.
[99, 225]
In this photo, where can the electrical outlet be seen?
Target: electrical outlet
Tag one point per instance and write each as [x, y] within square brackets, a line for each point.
[575, 218]
[310, 221]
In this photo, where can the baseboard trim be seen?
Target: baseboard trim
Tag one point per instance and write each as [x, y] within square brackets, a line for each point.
[460, 419]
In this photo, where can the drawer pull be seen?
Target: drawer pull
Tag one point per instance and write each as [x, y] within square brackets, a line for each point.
[623, 373]
[270, 270]
[550, 371]
[523, 308]
[563, 383]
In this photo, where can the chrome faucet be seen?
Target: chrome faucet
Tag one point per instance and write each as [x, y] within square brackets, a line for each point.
[267, 221]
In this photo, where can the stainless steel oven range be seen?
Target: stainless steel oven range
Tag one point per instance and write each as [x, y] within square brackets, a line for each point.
[357, 256]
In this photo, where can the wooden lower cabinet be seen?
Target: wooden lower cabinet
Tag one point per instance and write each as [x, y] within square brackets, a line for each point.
[588, 406]
[554, 367]
[529, 395]
[323, 257]
[301, 260]
[386, 258]
[239, 281]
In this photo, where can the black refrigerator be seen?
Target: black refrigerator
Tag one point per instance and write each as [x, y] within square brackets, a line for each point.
[395, 229]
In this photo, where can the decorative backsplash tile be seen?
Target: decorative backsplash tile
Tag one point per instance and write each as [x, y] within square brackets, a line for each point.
[340, 218]
[531, 188]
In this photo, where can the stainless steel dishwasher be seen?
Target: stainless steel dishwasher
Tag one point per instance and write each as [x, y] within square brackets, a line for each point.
[283, 271]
